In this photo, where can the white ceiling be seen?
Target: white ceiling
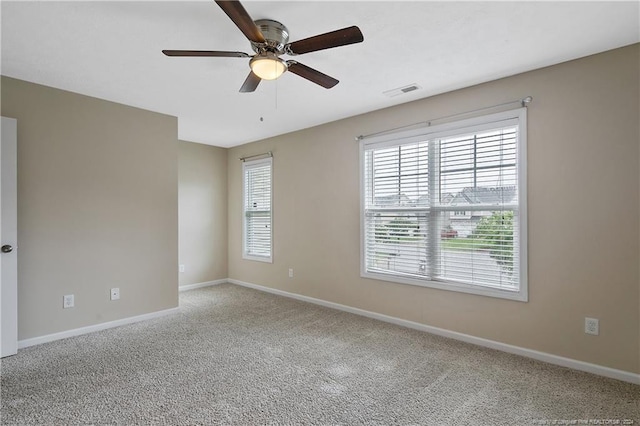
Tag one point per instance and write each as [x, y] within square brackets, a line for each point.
[112, 50]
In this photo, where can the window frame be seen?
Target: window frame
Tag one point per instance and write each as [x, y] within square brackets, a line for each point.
[475, 124]
[252, 164]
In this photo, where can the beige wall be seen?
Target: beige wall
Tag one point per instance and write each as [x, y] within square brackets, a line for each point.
[202, 211]
[97, 208]
[583, 195]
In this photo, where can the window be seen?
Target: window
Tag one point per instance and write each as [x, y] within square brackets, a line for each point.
[257, 232]
[445, 206]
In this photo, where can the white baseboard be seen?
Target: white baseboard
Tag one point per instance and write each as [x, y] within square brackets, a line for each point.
[92, 328]
[200, 285]
[599, 370]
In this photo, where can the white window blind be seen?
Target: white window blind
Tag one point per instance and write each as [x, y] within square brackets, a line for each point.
[444, 206]
[257, 223]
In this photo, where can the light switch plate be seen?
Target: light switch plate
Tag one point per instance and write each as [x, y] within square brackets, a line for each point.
[115, 293]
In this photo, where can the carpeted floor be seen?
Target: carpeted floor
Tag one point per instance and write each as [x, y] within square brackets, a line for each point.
[238, 356]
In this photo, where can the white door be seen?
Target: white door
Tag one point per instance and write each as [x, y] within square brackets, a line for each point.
[8, 238]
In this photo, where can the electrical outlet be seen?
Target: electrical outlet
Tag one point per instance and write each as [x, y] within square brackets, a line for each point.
[115, 293]
[592, 326]
[290, 272]
[68, 301]
[181, 268]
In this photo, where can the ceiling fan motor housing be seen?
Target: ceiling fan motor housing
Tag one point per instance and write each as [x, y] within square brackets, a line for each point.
[275, 34]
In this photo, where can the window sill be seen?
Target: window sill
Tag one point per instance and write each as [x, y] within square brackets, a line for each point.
[517, 295]
[258, 258]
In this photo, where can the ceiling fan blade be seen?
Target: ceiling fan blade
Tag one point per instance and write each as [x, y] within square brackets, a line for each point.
[241, 18]
[312, 75]
[251, 83]
[336, 38]
[214, 53]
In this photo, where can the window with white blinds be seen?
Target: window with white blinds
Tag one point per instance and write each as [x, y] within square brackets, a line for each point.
[257, 221]
[445, 206]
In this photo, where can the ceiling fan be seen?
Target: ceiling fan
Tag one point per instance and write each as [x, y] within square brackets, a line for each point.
[269, 40]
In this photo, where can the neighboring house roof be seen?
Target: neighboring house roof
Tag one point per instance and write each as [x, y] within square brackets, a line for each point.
[393, 200]
[483, 195]
[447, 198]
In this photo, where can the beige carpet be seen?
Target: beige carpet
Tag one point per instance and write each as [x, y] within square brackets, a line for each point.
[238, 356]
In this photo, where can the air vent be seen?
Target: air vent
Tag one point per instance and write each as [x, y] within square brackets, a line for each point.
[401, 90]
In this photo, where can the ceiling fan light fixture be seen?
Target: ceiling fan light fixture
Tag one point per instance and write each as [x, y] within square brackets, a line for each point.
[267, 66]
